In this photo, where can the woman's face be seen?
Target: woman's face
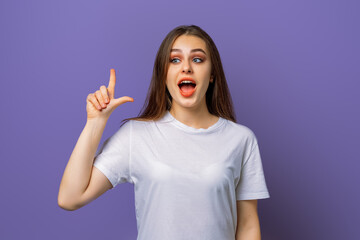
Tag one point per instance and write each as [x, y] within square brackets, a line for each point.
[190, 61]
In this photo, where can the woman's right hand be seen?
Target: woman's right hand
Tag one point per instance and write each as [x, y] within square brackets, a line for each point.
[102, 103]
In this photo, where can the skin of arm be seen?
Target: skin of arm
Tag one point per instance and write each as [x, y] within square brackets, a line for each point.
[77, 173]
[248, 226]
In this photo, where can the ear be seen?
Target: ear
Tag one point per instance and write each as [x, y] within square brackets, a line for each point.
[211, 78]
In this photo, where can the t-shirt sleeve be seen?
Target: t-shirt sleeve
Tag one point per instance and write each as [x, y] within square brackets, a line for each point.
[113, 158]
[252, 183]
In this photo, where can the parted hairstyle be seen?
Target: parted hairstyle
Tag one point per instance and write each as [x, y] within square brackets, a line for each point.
[158, 99]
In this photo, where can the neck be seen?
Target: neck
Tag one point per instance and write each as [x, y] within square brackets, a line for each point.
[194, 117]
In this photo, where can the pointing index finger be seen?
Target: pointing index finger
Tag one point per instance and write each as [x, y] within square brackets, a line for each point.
[112, 81]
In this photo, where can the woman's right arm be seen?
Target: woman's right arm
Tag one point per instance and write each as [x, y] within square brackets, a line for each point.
[81, 182]
[78, 170]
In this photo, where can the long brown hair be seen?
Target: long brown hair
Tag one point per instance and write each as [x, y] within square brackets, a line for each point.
[158, 99]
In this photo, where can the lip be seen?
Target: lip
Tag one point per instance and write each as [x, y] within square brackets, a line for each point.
[186, 78]
[187, 94]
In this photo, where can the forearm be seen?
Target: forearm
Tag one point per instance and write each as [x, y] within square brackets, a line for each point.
[249, 234]
[77, 173]
[249, 230]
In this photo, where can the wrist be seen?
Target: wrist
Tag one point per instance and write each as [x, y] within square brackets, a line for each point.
[96, 121]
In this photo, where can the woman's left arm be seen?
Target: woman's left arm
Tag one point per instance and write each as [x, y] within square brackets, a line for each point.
[248, 226]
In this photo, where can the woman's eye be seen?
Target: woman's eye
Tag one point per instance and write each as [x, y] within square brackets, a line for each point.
[174, 60]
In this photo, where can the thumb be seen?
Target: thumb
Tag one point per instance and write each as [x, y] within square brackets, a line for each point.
[122, 100]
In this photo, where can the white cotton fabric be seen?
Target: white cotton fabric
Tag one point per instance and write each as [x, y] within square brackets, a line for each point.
[186, 180]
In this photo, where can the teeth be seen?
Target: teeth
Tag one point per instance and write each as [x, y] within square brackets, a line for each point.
[186, 82]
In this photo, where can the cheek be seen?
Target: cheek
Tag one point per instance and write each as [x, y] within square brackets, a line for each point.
[171, 71]
[170, 76]
[205, 69]
[168, 83]
[209, 69]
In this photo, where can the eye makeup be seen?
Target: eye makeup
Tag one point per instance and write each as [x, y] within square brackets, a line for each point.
[195, 59]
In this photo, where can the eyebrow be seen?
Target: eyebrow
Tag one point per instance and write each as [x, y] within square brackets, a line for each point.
[193, 50]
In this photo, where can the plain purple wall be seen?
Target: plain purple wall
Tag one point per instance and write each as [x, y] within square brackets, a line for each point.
[292, 68]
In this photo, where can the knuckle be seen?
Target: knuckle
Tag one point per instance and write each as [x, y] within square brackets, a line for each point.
[95, 100]
[95, 103]
[104, 91]
[100, 98]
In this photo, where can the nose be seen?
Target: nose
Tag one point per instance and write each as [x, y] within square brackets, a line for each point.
[186, 67]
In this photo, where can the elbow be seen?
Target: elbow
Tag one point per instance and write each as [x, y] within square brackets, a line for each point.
[66, 205]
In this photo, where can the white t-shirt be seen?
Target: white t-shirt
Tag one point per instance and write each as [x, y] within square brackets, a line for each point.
[186, 180]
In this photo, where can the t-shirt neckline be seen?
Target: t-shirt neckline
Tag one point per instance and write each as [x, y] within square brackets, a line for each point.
[189, 129]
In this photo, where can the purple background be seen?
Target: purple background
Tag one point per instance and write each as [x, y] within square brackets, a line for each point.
[292, 68]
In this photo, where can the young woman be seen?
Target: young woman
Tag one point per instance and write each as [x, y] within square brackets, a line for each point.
[197, 174]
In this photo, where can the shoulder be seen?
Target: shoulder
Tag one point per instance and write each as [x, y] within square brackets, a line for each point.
[140, 123]
[241, 134]
[140, 126]
[241, 130]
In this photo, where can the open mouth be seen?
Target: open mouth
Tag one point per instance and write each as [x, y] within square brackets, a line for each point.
[187, 88]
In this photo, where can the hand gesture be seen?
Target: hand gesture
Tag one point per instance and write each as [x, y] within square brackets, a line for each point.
[102, 103]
